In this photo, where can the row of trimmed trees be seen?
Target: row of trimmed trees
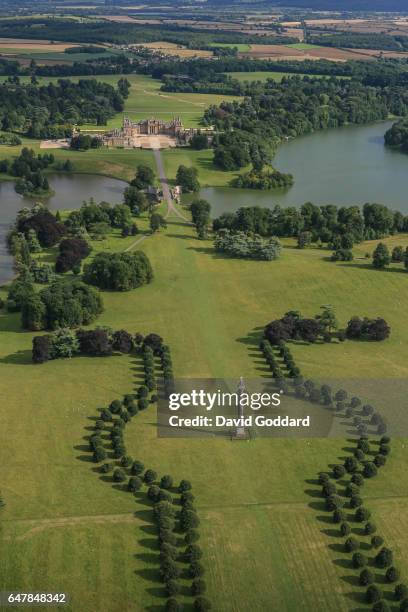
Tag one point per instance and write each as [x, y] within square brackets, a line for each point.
[175, 527]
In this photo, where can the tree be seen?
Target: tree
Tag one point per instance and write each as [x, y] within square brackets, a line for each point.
[199, 141]
[401, 592]
[351, 544]
[201, 604]
[166, 482]
[359, 560]
[304, 239]
[150, 476]
[172, 605]
[156, 222]
[119, 475]
[94, 342]
[136, 200]
[384, 558]
[397, 254]
[373, 594]
[362, 514]
[345, 529]
[338, 471]
[64, 343]
[41, 349]
[369, 470]
[392, 574]
[33, 313]
[134, 484]
[366, 577]
[71, 252]
[381, 256]
[187, 179]
[122, 341]
[119, 271]
[144, 177]
[200, 212]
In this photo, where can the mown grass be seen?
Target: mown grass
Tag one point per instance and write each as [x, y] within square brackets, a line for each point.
[263, 544]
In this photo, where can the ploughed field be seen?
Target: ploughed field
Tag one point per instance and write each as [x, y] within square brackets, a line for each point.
[263, 545]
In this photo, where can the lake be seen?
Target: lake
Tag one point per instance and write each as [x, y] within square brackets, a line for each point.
[70, 191]
[344, 166]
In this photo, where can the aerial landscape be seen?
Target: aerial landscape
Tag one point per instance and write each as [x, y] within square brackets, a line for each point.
[203, 272]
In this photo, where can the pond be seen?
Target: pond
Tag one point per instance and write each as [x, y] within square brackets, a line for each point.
[70, 191]
[343, 166]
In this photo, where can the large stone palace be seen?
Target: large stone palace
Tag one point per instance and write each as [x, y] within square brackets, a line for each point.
[130, 134]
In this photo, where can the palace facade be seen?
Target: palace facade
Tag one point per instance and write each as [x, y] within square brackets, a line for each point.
[128, 136]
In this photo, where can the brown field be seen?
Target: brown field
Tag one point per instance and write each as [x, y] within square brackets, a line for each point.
[18, 44]
[282, 52]
[363, 26]
[176, 50]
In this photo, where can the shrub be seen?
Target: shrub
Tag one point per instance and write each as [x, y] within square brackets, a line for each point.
[359, 560]
[134, 484]
[401, 592]
[201, 604]
[185, 485]
[172, 605]
[150, 476]
[392, 574]
[370, 528]
[122, 341]
[357, 479]
[384, 558]
[351, 544]
[41, 349]
[366, 577]
[376, 541]
[338, 471]
[119, 475]
[345, 529]
[166, 482]
[71, 252]
[369, 470]
[373, 594]
[94, 342]
[137, 468]
[362, 514]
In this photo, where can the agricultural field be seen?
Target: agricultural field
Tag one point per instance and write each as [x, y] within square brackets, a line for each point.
[262, 531]
[304, 51]
[172, 49]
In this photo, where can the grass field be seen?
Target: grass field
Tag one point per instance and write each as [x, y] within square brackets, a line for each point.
[241, 47]
[264, 547]
[303, 46]
[208, 175]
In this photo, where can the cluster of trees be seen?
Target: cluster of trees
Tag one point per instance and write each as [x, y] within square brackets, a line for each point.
[97, 219]
[137, 196]
[263, 179]
[61, 304]
[84, 142]
[119, 271]
[50, 111]
[187, 178]
[324, 326]
[359, 40]
[367, 329]
[85, 49]
[71, 252]
[338, 227]
[28, 168]
[382, 257]
[65, 342]
[295, 107]
[247, 246]
[397, 135]
[38, 222]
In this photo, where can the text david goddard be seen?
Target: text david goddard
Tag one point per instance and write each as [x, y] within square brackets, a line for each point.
[248, 421]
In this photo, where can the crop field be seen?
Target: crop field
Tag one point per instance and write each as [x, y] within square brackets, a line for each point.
[259, 523]
[304, 51]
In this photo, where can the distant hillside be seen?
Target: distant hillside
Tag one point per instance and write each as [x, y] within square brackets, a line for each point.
[323, 5]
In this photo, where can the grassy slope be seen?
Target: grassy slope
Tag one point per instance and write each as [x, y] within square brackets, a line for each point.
[206, 308]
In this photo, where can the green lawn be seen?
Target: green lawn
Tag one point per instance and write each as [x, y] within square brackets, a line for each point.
[303, 46]
[264, 545]
[242, 47]
[207, 173]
